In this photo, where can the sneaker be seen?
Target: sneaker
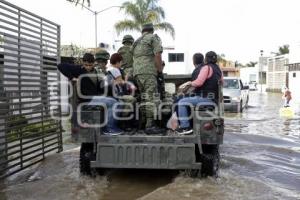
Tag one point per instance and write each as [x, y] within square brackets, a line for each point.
[112, 132]
[184, 131]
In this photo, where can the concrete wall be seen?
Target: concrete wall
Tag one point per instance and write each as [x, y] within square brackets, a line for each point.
[294, 83]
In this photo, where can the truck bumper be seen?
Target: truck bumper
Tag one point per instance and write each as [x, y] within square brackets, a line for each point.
[146, 156]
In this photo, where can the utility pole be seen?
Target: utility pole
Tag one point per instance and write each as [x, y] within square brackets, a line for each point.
[95, 13]
[260, 68]
[96, 29]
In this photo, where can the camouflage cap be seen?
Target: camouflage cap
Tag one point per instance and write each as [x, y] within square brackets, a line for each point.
[102, 55]
[127, 38]
[148, 26]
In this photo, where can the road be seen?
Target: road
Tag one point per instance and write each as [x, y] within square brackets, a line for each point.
[260, 160]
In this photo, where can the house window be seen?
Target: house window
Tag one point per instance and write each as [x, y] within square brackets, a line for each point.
[294, 75]
[176, 57]
[225, 74]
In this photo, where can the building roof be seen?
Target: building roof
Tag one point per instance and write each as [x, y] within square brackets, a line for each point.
[229, 69]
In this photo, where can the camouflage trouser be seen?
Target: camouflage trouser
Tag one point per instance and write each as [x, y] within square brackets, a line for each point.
[128, 99]
[147, 85]
[129, 71]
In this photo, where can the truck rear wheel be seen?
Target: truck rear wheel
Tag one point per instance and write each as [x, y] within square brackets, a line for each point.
[86, 156]
[193, 173]
[210, 160]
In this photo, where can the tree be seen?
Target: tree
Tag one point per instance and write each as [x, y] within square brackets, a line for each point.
[285, 49]
[72, 50]
[237, 64]
[142, 12]
[81, 2]
[221, 60]
[251, 64]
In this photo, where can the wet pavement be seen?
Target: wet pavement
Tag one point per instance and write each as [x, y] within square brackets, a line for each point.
[260, 160]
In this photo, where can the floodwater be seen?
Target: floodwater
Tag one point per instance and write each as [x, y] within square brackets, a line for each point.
[260, 160]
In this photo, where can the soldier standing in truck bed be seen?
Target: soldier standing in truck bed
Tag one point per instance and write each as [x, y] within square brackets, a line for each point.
[126, 53]
[101, 58]
[147, 63]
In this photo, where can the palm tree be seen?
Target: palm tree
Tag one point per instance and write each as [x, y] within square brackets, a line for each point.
[237, 64]
[72, 50]
[221, 60]
[283, 50]
[251, 64]
[142, 12]
[81, 2]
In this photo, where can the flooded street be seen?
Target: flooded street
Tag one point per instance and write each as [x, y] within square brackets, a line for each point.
[260, 160]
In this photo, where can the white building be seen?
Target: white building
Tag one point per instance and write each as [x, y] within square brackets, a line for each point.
[257, 73]
[277, 74]
[294, 80]
[294, 72]
[177, 61]
[249, 74]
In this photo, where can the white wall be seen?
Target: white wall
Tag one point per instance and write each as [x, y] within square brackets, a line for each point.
[277, 72]
[185, 67]
[294, 83]
[247, 74]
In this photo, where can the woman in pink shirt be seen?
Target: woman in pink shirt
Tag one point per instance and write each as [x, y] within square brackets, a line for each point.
[205, 81]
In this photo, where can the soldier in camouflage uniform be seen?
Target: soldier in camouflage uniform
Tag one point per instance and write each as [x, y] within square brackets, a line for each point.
[126, 54]
[101, 57]
[147, 63]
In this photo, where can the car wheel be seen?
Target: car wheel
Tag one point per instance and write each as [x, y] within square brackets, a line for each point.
[247, 101]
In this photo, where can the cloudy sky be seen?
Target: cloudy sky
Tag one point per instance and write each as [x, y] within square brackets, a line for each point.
[237, 28]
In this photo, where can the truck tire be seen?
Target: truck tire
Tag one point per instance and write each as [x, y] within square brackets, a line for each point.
[193, 173]
[210, 160]
[86, 156]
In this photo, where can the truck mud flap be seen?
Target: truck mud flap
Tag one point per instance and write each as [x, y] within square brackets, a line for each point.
[146, 156]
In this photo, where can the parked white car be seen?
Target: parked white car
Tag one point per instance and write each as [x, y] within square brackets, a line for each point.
[235, 94]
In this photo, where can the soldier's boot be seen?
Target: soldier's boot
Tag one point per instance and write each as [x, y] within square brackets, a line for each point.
[141, 119]
[152, 129]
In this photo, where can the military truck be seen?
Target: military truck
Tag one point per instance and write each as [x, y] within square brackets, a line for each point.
[196, 154]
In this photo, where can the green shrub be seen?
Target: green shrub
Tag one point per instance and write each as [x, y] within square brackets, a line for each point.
[29, 130]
